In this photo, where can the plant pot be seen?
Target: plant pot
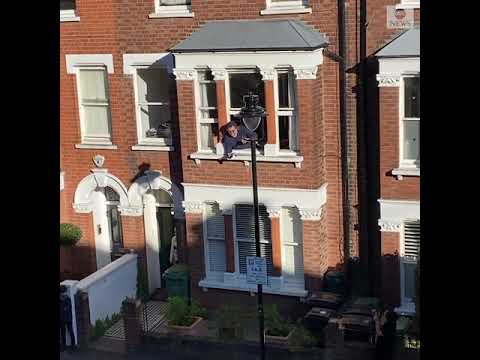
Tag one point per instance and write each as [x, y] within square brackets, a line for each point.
[185, 330]
[277, 340]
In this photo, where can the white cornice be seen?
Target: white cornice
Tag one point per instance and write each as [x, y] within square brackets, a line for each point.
[219, 74]
[385, 80]
[193, 207]
[394, 212]
[184, 74]
[308, 73]
[77, 60]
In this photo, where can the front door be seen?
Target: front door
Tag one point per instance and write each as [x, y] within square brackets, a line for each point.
[114, 222]
[166, 231]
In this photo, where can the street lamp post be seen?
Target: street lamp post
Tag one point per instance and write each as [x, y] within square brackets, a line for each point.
[252, 115]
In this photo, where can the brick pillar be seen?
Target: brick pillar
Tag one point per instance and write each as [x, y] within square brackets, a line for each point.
[82, 310]
[229, 241]
[132, 318]
[274, 214]
[315, 249]
[194, 223]
[390, 268]
[271, 119]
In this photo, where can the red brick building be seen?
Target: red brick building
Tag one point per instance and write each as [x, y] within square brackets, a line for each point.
[145, 88]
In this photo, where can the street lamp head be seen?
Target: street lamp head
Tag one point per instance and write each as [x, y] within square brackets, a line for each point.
[251, 112]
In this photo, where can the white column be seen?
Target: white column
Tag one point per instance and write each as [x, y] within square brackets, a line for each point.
[151, 242]
[100, 226]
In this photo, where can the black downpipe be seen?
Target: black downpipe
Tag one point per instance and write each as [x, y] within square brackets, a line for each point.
[342, 45]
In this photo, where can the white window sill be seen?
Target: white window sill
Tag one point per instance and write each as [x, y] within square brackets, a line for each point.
[68, 15]
[286, 10]
[246, 157]
[408, 6]
[140, 147]
[243, 286]
[96, 146]
[172, 14]
[62, 180]
[401, 172]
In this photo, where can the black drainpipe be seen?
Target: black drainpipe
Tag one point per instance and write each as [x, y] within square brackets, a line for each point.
[342, 47]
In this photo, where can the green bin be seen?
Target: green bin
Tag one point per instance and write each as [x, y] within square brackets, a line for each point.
[177, 281]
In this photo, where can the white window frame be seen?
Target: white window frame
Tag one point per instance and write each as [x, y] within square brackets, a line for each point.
[286, 7]
[291, 112]
[291, 281]
[407, 304]
[162, 11]
[86, 139]
[211, 275]
[199, 108]
[141, 139]
[408, 4]
[404, 163]
[69, 15]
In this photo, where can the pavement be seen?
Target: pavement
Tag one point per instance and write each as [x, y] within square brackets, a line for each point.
[92, 354]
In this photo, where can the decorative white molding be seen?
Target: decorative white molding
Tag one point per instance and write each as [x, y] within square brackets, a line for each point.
[279, 11]
[62, 180]
[171, 11]
[401, 172]
[390, 225]
[96, 146]
[193, 207]
[73, 61]
[68, 16]
[388, 66]
[305, 73]
[393, 213]
[84, 208]
[310, 214]
[130, 61]
[152, 148]
[184, 74]
[98, 160]
[267, 74]
[228, 196]
[262, 59]
[219, 74]
[385, 80]
[131, 211]
[224, 210]
[274, 211]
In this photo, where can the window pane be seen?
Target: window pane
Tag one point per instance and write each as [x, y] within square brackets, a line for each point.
[409, 278]
[206, 137]
[115, 223]
[242, 84]
[412, 97]
[174, 2]
[208, 95]
[411, 140]
[67, 4]
[155, 120]
[283, 100]
[244, 222]
[209, 114]
[153, 85]
[93, 85]
[111, 195]
[96, 120]
[283, 131]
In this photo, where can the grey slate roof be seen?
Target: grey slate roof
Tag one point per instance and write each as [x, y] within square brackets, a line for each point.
[253, 35]
[406, 44]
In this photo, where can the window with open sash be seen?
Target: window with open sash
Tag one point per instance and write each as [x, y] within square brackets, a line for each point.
[410, 118]
[95, 119]
[286, 111]
[292, 247]
[152, 106]
[245, 236]
[207, 111]
[242, 82]
[409, 258]
[215, 244]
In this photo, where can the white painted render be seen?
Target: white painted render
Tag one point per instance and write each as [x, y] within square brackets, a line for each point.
[109, 286]
[398, 66]
[394, 212]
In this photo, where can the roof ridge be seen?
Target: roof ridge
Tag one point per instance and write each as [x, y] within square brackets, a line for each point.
[291, 23]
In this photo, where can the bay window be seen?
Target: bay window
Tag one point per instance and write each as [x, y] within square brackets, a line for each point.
[408, 264]
[215, 242]
[410, 118]
[245, 236]
[95, 118]
[153, 106]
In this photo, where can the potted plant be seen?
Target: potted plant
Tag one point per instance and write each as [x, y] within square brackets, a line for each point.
[183, 318]
[277, 329]
[231, 322]
[69, 236]
[301, 338]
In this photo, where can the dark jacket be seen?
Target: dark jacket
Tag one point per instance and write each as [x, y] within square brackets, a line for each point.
[65, 308]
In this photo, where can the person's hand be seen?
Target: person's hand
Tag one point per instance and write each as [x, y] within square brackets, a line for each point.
[244, 141]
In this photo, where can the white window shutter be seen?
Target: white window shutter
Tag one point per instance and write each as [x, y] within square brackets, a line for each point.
[292, 241]
[411, 239]
[215, 240]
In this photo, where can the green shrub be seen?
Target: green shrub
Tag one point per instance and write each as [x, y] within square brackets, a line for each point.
[197, 310]
[275, 325]
[232, 321]
[101, 326]
[301, 338]
[69, 234]
[178, 312]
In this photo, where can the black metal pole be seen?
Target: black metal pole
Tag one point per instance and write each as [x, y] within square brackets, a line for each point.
[253, 148]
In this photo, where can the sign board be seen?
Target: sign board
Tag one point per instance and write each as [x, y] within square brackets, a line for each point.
[256, 270]
[399, 18]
